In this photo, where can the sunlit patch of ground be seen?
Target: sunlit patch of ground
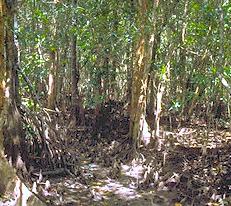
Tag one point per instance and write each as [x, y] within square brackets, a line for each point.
[102, 190]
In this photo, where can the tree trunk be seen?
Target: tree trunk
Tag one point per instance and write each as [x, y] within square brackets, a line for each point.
[52, 81]
[129, 77]
[12, 129]
[10, 125]
[4, 166]
[2, 62]
[74, 73]
[76, 100]
[53, 73]
[141, 65]
[151, 103]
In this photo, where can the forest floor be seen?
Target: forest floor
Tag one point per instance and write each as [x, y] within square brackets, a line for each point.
[184, 174]
[192, 166]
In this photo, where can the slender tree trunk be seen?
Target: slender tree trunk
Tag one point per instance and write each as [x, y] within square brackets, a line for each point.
[52, 81]
[184, 78]
[151, 102]
[76, 100]
[112, 91]
[75, 72]
[2, 62]
[152, 96]
[53, 73]
[129, 77]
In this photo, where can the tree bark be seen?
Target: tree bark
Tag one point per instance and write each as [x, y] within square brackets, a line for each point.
[76, 99]
[75, 72]
[53, 73]
[52, 79]
[10, 123]
[141, 67]
[2, 62]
